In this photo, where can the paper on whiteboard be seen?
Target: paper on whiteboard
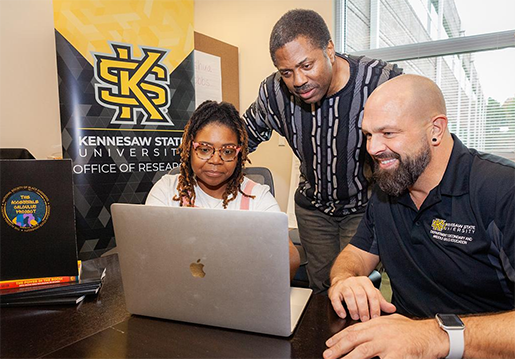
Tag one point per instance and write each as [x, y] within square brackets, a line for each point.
[208, 78]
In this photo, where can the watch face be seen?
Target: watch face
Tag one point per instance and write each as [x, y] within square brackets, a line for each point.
[450, 320]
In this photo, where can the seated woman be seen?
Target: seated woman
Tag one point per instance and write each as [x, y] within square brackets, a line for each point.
[213, 154]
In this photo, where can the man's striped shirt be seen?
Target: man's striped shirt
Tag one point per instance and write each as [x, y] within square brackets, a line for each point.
[325, 136]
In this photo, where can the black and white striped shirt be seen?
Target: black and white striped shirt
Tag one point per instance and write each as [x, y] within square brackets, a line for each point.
[325, 136]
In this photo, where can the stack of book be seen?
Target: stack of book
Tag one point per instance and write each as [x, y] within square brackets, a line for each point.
[53, 291]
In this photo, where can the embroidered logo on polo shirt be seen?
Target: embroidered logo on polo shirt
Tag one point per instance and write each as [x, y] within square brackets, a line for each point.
[438, 224]
[452, 232]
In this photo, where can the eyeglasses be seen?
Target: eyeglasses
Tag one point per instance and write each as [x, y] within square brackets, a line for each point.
[205, 151]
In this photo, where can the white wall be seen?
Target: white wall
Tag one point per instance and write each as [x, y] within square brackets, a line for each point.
[247, 24]
[29, 104]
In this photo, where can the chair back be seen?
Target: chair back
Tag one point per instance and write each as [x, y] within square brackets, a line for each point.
[261, 175]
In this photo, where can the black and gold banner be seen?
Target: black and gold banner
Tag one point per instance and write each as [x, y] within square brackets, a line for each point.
[126, 89]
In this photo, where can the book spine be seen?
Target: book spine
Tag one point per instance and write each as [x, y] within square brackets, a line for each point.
[19, 283]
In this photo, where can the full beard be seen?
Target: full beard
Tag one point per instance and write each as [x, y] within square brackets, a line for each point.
[395, 182]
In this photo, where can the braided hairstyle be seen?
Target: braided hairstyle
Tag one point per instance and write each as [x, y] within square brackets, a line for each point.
[209, 112]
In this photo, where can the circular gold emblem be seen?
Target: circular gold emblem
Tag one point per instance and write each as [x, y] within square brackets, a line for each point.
[25, 208]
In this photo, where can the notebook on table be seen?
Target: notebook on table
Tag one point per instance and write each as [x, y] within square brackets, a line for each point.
[37, 221]
[224, 268]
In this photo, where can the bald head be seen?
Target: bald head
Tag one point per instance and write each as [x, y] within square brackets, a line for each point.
[405, 124]
[410, 95]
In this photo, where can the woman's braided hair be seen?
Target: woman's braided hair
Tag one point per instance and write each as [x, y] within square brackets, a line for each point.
[208, 112]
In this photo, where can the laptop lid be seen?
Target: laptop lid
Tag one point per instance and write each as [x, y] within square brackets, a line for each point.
[216, 267]
[38, 219]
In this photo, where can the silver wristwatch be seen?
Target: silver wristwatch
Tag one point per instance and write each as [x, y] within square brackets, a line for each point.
[455, 328]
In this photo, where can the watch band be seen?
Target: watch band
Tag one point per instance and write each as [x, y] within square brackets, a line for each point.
[455, 328]
[456, 343]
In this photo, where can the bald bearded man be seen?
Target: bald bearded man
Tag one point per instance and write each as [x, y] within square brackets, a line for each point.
[441, 222]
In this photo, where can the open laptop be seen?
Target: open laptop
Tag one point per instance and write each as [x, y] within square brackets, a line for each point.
[224, 268]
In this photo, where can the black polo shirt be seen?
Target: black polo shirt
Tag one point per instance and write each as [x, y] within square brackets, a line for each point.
[457, 253]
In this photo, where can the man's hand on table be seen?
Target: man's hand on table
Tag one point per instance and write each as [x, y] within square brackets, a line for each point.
[389, 337]
[363, 300]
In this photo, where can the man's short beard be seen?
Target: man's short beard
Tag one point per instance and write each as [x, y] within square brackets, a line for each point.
[395, 182]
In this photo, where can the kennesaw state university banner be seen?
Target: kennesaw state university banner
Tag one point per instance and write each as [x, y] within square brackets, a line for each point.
[126, 89]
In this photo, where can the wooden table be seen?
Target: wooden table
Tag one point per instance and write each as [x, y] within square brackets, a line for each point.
[102, 328]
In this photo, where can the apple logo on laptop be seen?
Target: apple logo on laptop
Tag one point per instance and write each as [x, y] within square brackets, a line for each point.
[197, 269]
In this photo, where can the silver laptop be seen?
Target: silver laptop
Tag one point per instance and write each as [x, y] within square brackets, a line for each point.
[224, 268]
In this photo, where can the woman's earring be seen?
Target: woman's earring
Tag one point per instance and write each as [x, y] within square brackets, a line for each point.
[434, 139]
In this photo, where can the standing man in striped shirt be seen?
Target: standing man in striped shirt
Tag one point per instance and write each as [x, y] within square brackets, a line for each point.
[315, 100]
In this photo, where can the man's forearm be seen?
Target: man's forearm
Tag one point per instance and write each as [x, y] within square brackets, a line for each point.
[348, 264]
[294, 260]
[350, 285]
[490, 336]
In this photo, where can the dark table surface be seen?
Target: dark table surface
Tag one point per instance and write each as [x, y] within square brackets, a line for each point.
[102, 328]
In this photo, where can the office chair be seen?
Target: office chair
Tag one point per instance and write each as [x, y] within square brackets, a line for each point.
[375, 277]
[15, 154]
[261, 175]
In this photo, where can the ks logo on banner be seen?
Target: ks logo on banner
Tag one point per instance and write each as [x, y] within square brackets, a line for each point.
[130, 85]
